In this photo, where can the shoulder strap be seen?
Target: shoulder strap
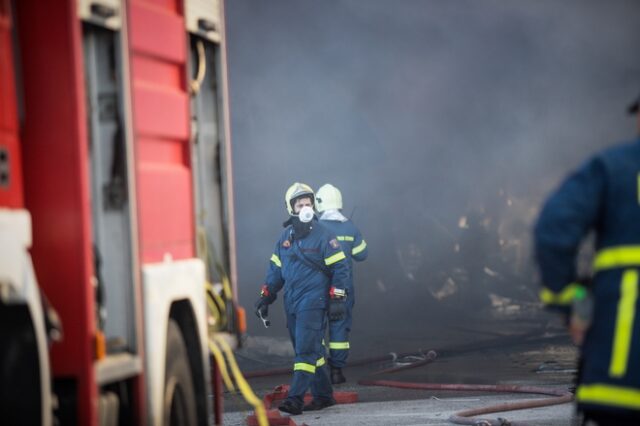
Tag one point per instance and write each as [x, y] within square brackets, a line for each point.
[313, 265]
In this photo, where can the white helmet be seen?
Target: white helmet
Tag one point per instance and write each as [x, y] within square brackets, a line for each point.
[328, 197]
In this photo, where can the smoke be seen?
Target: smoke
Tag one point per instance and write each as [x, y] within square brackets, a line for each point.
[445, 124]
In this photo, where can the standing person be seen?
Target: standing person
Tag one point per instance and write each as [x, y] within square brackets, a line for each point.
[329, 204]
[309, 263]
[604, 196]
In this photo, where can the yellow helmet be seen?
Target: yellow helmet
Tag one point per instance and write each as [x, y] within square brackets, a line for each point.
[295, 191]
[329, 197]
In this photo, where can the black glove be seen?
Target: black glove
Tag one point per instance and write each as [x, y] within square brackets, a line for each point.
[262, 307]
[337, 309]
[262, 304]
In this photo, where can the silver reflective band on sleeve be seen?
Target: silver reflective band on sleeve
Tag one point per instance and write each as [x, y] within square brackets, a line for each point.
[339, 292]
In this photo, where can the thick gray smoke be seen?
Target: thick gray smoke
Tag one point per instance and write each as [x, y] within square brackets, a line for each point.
[444, 123]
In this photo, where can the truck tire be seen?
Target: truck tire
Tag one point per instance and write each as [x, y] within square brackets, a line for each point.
[179, 394]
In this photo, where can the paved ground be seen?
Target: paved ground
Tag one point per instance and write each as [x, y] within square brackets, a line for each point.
[422, 412]
[536, 354]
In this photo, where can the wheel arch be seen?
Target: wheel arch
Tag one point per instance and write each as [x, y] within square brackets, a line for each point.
[175, 290]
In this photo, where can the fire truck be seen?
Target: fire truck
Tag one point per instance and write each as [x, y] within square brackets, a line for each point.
[116, 212]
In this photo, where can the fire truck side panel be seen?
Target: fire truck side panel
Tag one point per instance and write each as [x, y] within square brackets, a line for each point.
[10, 164]
[172, 280]
[161, 129]
[56, 184]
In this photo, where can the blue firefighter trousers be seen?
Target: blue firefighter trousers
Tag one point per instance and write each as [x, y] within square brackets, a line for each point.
[339, 337]
[306, 329]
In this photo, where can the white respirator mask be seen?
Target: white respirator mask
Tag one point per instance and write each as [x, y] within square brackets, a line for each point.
[306, 214]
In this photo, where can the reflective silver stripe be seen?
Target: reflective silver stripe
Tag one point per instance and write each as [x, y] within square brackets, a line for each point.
[275, 259]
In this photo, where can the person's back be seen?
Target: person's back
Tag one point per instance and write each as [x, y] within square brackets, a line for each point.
[329, 204]
[604, 196]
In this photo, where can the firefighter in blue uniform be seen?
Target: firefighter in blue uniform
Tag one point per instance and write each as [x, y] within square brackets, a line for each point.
[329, 204]
[311, 266]
[603, 195]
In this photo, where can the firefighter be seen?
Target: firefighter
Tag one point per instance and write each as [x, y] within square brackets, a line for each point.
[329, 204]
[604, 196]
[309, 263]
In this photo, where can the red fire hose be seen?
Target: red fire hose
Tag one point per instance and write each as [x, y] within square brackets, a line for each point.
[466, 417]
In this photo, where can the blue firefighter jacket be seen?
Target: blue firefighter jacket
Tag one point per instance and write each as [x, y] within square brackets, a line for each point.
[603, 195]
[353, 245]
[307, 268]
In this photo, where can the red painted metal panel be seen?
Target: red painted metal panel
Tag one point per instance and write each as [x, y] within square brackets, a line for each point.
[172, 5]
[166, 228]
[160, 112]
[157, 32]
[161, 128]
[11, 195]
[56, 183]
[163, 74]
[163, 151]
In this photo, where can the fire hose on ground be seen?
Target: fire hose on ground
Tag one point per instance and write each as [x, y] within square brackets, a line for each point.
[465, 417]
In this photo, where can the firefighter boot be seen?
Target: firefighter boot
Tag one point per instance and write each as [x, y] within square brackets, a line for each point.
[336, 376]
[288, 406]
[319, 404]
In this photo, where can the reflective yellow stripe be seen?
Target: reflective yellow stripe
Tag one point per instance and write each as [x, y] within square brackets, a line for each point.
[344, 238]
[361, 246]
[565, 297]
[617, 257]
[275, 259]
[320, 362]
[338, 345]
[335, 258]
[309, 368]
[638, 188]
[609, 395]
[624, 323]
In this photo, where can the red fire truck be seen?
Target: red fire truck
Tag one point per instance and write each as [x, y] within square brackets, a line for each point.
[116, 209]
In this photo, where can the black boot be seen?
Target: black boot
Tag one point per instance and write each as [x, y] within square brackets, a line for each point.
[319, 404]
[336, 376]
[290, 407]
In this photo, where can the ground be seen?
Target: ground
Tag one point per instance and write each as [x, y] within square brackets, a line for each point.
[531, 350]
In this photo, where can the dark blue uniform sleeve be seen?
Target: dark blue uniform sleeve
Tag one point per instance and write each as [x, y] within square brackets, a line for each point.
[274, 280]
[336, 261]
[566, 218]
[360, 251]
